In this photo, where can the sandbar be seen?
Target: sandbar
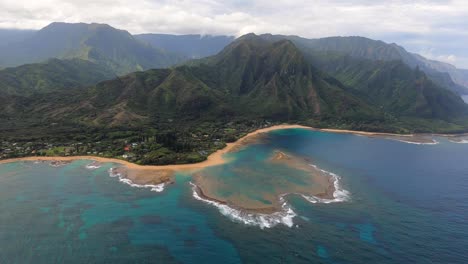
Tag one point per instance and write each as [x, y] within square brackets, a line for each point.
[303, 179]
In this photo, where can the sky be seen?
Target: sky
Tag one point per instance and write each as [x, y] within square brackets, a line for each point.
[437, 29]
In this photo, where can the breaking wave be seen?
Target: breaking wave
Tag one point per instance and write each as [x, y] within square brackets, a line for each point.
[463, 141]
[285, 216]
[154, 187]
[339, 194]
[434, 142]
[93, 165]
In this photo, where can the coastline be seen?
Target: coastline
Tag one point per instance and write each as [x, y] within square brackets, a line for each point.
[419, 139]
[158, 176]
[214, 159]
[362, 133]
[217, 158]
[149, 175]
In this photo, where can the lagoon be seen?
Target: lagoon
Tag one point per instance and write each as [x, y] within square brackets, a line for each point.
[405, 203]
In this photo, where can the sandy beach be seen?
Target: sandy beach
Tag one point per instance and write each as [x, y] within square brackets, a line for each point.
[214, 159]
[363, 133]
[145, 174]
[154, 174]
[408, 138]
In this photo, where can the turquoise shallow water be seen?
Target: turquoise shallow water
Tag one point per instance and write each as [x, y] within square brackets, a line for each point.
[409, 204]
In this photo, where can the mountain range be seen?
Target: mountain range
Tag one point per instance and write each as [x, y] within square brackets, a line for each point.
[445, 75]
[110, 48]
[90, 88]
[53, 75]
[348, 82]
[123, 53]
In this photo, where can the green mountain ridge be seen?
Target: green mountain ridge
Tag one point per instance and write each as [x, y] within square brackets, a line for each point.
[181, 114]
[115, 49]
[391, 86]
[445, 75]
[124, 53]
[53, 75]
[397, 88]
[271, 80]
[256, 78]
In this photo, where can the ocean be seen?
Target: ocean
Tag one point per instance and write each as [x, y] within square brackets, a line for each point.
[395, 202]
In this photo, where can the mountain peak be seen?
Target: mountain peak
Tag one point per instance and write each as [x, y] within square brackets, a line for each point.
[248, 36]
[75, 25]
[251, 39]
[109, 47]
[77, 29]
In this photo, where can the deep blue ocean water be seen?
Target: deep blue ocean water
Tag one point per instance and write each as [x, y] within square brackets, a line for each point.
[408, 204]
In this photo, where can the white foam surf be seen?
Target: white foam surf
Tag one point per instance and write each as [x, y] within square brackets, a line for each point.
[93, 165]
[154, 187]
[463, 141]
[339, 194]
[285, 216]
[113, 173]
[434, 142]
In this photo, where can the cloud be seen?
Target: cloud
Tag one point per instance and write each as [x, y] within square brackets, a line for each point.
[405, 22]
[450, 58]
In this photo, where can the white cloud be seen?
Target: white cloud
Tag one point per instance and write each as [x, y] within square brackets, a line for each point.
[423, 19]
[448, 58]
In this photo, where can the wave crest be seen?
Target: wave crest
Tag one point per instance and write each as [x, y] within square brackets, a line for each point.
[93, 165]
[339, 194]
[463, 141]
[285, 216]
[113, 172]
[434, 142]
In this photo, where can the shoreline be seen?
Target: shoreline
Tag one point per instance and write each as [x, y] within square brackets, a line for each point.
[363, 133]
[157, 177]
[216, 158]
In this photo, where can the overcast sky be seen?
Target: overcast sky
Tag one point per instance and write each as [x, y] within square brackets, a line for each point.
[437, 29]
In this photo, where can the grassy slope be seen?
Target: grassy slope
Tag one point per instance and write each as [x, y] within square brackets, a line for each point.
[53, 75]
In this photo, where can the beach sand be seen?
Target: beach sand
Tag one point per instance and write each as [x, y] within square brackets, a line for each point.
[409, 138]
[143, 174]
